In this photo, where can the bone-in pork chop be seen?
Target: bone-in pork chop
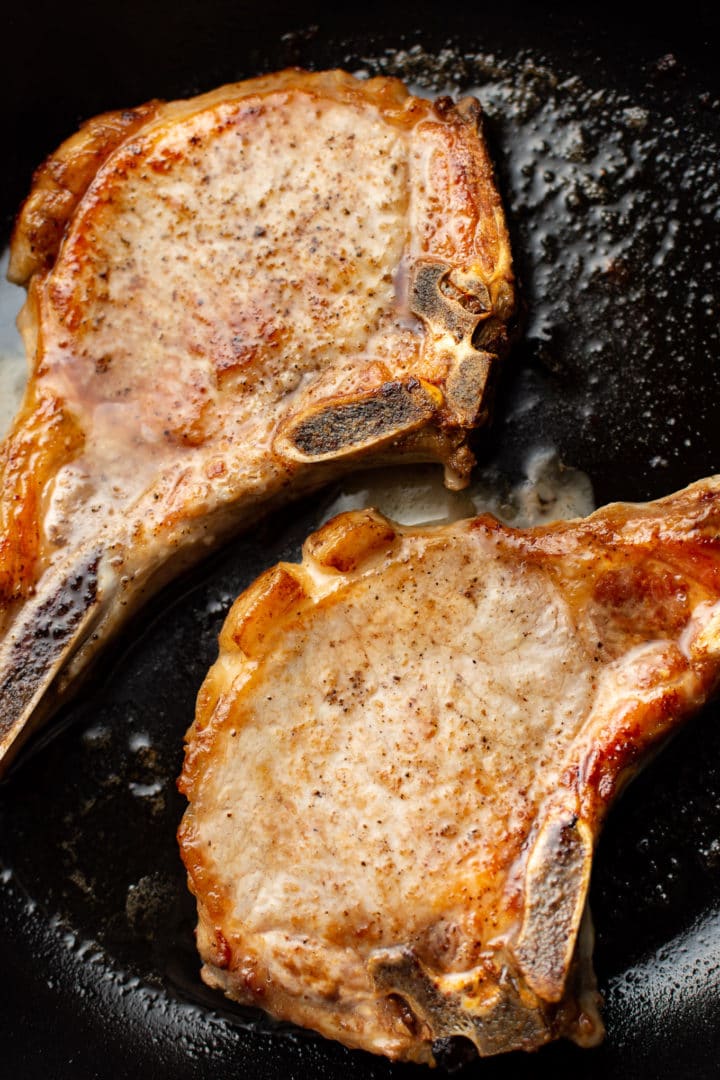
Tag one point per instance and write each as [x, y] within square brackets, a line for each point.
[402, 759]
[230, 300]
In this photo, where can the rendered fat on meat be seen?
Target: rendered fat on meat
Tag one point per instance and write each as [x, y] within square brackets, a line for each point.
[403, 756]
[231, 300]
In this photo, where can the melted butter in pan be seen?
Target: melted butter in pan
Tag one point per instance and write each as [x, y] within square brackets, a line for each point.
[614, 375]
[547, 490]
[13, 368]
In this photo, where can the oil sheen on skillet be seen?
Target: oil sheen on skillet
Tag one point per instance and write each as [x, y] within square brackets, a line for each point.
[613, 199]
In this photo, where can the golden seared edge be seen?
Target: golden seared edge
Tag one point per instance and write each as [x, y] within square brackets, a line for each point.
[231, 300]
[402, 758]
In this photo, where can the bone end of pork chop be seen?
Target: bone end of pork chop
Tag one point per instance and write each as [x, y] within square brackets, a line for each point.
[232, 300]
[403, 756]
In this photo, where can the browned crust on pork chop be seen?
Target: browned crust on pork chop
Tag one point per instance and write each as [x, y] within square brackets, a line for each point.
[402, 758]
[232, 299]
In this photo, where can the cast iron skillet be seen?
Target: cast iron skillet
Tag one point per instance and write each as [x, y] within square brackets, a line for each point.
[606, 131]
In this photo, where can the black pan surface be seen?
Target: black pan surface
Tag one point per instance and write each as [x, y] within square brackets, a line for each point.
[606, 133]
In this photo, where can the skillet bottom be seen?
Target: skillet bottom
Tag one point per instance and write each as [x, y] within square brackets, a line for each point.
[611, 183]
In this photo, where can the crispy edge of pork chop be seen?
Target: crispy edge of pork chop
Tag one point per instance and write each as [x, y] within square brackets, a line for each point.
[59, 603]
[621, 610]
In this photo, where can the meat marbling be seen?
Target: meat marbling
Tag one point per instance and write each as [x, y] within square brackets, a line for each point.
[402, 758]
[231, 299]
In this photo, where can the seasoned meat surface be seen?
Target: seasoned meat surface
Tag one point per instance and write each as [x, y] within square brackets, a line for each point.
[401, 761]
[231, 299]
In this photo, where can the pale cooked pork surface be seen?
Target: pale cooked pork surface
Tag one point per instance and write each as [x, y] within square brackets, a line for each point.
[230, 299]
[402, 758]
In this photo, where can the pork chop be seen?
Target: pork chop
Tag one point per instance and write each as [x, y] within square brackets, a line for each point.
[401, 762]
[230, 300]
